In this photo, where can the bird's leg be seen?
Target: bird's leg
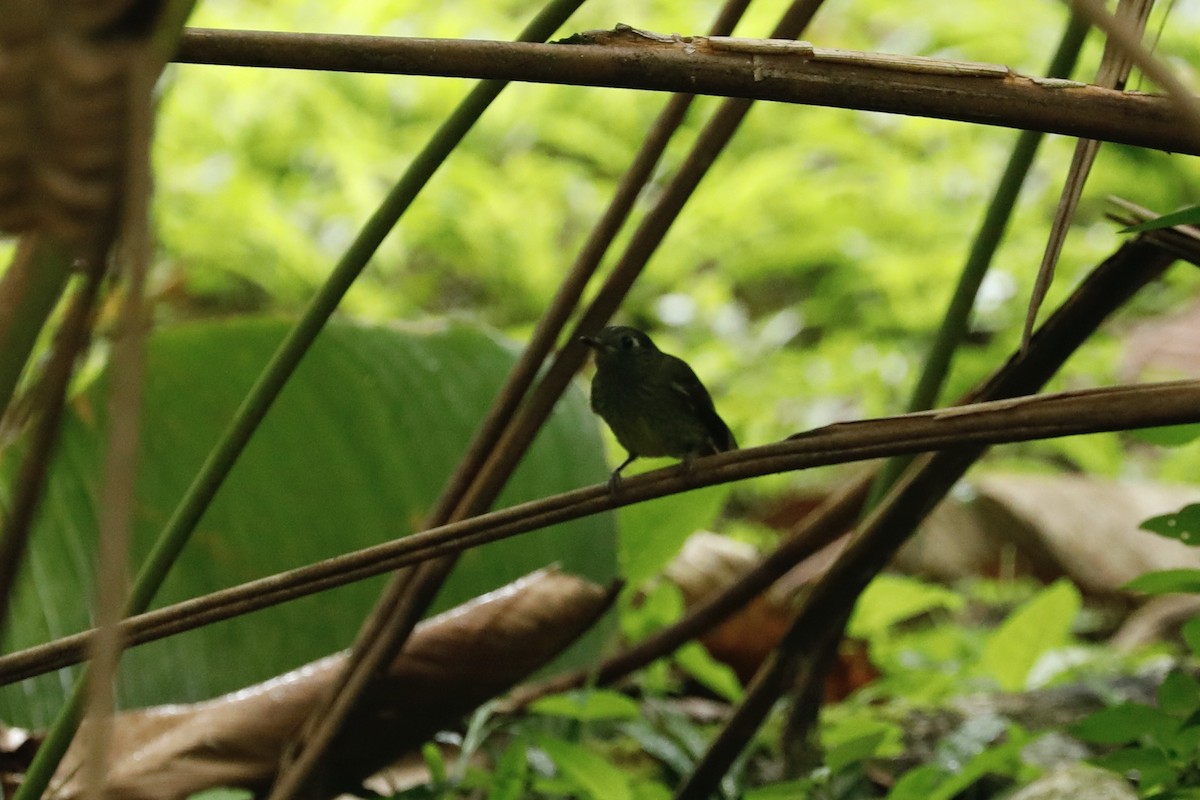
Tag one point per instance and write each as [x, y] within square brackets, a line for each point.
[614, 480]
[686, 465]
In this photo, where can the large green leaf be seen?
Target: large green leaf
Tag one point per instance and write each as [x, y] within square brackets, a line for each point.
[353, 454]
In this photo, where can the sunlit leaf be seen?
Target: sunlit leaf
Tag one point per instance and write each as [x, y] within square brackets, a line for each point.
[587, 705]
[592, 774]
[1039, 625]
[890, 599]
[854, 750]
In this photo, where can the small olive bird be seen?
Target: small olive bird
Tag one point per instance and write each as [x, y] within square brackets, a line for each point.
[653, 401]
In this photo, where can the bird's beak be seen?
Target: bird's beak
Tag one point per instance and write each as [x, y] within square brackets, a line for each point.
[590, 341]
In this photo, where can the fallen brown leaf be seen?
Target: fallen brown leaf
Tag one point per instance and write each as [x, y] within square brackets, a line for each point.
[453, 663]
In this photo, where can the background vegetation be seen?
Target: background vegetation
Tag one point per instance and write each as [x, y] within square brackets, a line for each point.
[804, 281]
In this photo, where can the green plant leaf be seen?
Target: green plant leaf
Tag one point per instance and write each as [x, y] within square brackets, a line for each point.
[588, 705]
[1151, 764]
[435, 763]
[1191, 635]
[918, 783]
[661, 745]
[1124, 723]
[1169, 435]
[512, 771]
[1167, 581]
[890, 599]
[1041, 624]
[788, 790]
[1183, 525]
[651, 790]
[853, 735]
[354, 453]
[652, 533]
[1185, 216]
[693, 659]
[589, 772]
[1179, 694]
[854, 750]
[933, 782]
[647, 611]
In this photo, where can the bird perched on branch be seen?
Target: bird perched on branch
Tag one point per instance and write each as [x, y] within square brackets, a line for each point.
[652, 401]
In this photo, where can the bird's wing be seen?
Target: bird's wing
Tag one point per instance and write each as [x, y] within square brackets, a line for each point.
[699, 402]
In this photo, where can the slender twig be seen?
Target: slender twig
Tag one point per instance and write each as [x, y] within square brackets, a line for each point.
[1154, 68]
[1114, 69]
[125, 401]
[324, 723]
[424, 583]
[980, 93]
[991, 232]
[70, 340]
[566, 299]
[30, 288]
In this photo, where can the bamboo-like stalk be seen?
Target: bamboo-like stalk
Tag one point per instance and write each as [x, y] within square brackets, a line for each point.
[954, 324]
[1114, 69]
[322, 725]
[980, 93]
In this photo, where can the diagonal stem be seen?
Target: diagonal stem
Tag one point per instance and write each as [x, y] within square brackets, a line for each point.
[987, 240]
[479, 479]
[1114, 69]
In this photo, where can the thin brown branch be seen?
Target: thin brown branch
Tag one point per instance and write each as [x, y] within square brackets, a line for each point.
[1184, 100]
[566, 299]
[411, 604]
[751, 69]
[1016, 420]
[409, 593]
[1112, 74]
[125, 401]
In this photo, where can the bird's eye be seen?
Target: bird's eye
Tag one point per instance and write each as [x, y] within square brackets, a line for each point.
[628, 343]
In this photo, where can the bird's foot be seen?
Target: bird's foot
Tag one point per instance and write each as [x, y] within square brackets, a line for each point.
[614, 481]
[686, 466]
